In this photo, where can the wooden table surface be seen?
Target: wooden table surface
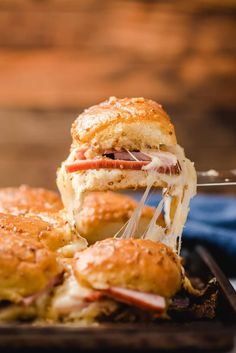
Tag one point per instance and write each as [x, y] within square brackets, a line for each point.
[58, 57]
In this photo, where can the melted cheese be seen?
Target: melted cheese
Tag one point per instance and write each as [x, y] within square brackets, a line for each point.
[70, 249]
[176, 198]
[69, 303]
[154, 231]
[178, 191]
[134, 220]
[69, 296]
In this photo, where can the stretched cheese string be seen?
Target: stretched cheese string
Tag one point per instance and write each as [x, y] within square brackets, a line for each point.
[119, 233]
[184, 193]
[134, 220]
[182, 187]
[154, 231]
[166, 208]
[133, 156]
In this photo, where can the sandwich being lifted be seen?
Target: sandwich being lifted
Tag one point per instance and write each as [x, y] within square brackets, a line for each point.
[128, 144]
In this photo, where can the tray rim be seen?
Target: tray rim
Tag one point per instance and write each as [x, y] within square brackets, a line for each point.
[223, 281]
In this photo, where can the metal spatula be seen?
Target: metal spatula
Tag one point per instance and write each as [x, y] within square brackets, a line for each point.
[216, 178]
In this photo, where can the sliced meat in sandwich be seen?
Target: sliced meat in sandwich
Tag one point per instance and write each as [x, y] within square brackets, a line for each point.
[129, 143]
[117, 276]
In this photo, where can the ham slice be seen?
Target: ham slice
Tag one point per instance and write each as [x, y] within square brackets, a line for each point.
[80, 153]
[116, 164]
[135, 160]
[146, 301]
[127, 156]
[104, 163]
[27, 301]
[94, 296]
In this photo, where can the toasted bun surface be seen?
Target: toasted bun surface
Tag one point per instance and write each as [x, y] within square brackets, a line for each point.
[35, 228]
[106, 213]
[125, 123]
[26, 199]
[136, 264]
[26, 266]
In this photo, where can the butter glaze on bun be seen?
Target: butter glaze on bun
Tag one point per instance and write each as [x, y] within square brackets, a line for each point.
[136, 264]
[132, 123]
[35, 228]
[106, 213]
[25, 199]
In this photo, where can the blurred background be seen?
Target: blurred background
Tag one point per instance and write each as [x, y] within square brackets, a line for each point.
[59, 56]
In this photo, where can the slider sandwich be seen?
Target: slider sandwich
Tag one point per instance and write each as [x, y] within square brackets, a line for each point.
[38, 213]
[28, 273]
[129, 143]
[119, 279]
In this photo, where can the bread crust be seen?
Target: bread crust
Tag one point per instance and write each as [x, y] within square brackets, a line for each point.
[110, 206]
[136, 264]
[27, 267]
[103, 211]
[26, 199]
[53, 236]
[98, 125]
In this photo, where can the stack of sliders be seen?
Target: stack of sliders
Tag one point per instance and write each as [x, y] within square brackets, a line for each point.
[125, 144]
[129, 144]
[114, 259]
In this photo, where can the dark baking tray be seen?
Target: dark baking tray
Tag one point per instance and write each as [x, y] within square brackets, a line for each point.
[215, 335]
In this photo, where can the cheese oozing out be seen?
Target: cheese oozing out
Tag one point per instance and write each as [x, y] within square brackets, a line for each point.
[177, 192]
[70, 303]
[175, 202]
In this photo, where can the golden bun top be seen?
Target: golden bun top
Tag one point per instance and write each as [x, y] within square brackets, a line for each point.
[124, 123]
[25, 199]
[26, 266]
[35, 228]
[110, 206]
[136, 264]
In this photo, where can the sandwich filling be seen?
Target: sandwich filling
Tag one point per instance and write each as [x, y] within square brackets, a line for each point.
[72, 301]
[113, 273]
[164, 162]
[90, 169]
[30, 307]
